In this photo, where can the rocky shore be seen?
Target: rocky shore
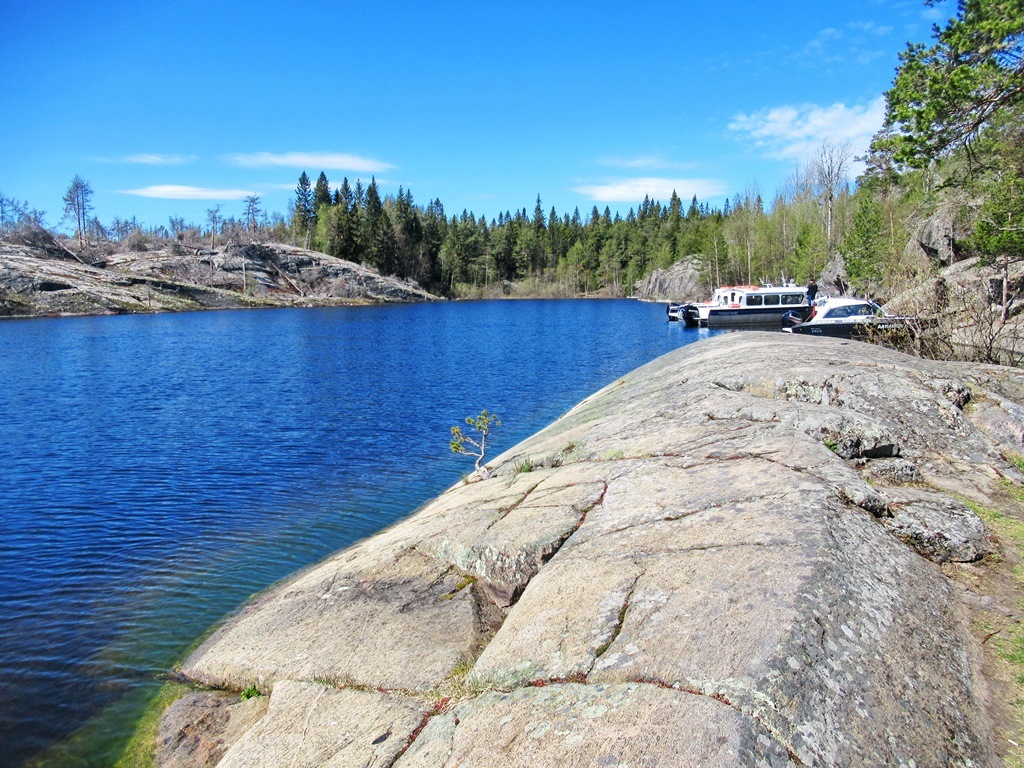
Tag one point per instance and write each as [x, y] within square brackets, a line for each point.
[756, 550]
[43, 279]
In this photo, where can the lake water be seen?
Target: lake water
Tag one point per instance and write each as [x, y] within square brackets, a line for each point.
[159, 470]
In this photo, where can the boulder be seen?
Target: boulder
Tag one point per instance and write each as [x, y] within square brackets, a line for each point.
[198, 728]
[680, 282]
[936, 237]
[833, 280]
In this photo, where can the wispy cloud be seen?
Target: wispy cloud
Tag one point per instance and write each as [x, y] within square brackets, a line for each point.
[796, 132]
[312, 161]
[157, 159]
[150, 158]
[858, 42]
[645, 162]
[940, 12]
[828, 34]
[178, 192]
[871, 28]
[634, 190]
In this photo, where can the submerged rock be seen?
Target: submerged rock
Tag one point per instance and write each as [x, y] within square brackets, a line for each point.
[688, 568]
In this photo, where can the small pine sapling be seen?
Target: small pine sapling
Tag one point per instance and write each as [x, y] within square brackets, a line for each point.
[482, 424]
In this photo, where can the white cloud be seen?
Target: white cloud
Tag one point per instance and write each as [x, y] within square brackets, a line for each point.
[829, 33]
[178, 192]
[157, 159]
[871, 28]
[150, 158]
[634, 190]
[645, 161]
[312, 161]
[791, 132]
[939, 13]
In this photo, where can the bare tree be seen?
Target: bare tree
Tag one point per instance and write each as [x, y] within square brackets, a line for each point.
[15, 215]
[830, 170]
[214, 218]
[974, 316]
[252, 214]
[77, 206]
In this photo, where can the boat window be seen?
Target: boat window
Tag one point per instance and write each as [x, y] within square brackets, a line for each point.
[753, 300]
[851, 310]
[793, 298]
[771, 299]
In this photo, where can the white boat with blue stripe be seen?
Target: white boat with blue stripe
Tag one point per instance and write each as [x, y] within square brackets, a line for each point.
[744, 305]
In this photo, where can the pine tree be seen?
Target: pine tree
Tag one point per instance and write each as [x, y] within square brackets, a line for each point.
[864, 246]
[77, 205]
[945, 94]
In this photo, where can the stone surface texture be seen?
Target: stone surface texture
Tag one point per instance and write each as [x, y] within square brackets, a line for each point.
[690, 567]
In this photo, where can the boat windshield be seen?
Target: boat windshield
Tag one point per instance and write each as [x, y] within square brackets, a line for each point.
[852, 310]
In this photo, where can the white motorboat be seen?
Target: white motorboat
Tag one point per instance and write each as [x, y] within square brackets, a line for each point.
[847, 318]
[744, 305]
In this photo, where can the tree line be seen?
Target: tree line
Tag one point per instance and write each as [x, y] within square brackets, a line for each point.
[566, 253]
[954, 132]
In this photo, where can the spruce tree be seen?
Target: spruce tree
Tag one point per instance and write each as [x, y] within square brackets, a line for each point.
[322, 192]
[345, 232]
[304, 214]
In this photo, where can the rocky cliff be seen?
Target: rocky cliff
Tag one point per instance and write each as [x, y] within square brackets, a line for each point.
[680, 282]
[756, 550]
[41, 278]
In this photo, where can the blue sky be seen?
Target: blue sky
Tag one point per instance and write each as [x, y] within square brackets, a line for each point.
[170, 108]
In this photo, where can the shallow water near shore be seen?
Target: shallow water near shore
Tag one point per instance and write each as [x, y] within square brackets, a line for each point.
[159, 470]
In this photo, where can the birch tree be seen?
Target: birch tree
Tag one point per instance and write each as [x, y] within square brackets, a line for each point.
[830, 170]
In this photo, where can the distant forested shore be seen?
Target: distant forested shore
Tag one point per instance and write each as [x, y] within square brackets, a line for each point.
[950, 157]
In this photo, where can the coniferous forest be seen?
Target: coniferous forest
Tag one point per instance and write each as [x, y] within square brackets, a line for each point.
[953, 140]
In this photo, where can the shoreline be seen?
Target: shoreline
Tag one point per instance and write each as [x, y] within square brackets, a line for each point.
[479, 568]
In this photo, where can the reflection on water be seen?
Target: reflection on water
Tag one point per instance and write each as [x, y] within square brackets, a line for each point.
[159, 470]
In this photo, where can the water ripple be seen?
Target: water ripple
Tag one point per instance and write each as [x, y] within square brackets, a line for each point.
[157, 471]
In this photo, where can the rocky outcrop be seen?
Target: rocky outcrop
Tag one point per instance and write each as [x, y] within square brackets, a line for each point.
[936, 237]
[834, 281]
[690, 567]
[680, 282]
[969, 311]
[38, 280]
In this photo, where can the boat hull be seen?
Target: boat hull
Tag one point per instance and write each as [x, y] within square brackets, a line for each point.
[859, 330]
[732, 317]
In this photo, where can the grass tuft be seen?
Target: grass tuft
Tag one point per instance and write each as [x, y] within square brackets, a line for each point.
[1017, 460]
[250, 692]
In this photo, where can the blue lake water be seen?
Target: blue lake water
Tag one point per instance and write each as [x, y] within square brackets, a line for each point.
[159, 470]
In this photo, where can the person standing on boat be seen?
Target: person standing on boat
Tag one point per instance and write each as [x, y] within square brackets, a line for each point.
[812, 290]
